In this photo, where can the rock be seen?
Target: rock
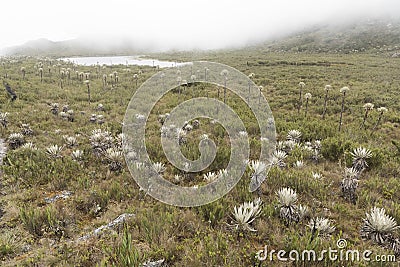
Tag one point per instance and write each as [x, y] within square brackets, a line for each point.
[10, 91]
[63, 195]
[114, 223]
[159, 263]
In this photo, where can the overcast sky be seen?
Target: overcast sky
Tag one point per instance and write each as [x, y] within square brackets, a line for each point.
[175, 24]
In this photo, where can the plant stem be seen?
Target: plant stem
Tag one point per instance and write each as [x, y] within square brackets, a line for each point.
[378, 121]
[88, 90]
[341, 111]
[325, 103]
[365, 118]
[248, 97]
[300, 102]
[225, 91]
[305, 114]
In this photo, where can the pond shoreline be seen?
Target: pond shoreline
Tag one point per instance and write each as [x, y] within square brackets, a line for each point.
[132, 60]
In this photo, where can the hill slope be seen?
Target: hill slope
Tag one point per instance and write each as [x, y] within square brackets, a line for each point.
[368, 35]
[75, 47]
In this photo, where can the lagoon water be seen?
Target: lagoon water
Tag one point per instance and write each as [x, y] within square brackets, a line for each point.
[121, 60]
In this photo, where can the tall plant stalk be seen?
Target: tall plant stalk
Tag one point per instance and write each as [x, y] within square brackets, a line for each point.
[327, 89]
[300, 103]
[343, 90]
[382, 111]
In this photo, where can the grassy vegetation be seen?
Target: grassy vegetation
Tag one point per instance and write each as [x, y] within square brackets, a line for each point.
[34, 232]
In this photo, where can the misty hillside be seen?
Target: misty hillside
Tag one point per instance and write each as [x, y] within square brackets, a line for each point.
[362, 36]
[75, 47]
[369, 35]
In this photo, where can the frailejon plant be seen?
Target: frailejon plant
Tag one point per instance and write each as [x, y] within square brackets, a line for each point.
[159, 167]
[360, 156]
[188, 127]
[179, 81]
[321, 227]
[288, 211]
[70, 115]
[304, 212]
[196, 124]
[115, 159]
[77, 155]
[62, 77]
[54, 108]
[327, 89]
[41, 74]
[4, 119]
[181, 136]
[367, 108]
[28, 146]
[100, 107]
[54, 151]
[316, 175]
[68, 74]
[260, 88]
[224, 74]
[93, 118]
[251, 76]
[298, 164]
[119, 140]
[100, 141]
[378, 226]
[70, 141]
[87, 82]
[23, 72]
[307, 96]
[136, 77]
[257, 167]
[316, 147]
[15, 140]
[210, 177]
[100, 119]
[349, 184]
[343, 91]
[26, 129]
[5, 69]
[245, 214]
[278, 158]
[294, 135]
[104, 81]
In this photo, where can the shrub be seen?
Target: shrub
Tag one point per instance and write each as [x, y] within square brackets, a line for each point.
[334, 147]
